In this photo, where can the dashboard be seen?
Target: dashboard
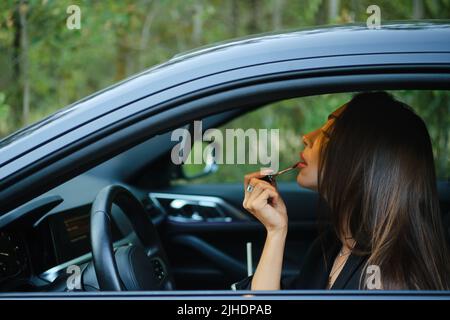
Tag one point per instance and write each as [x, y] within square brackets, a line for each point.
[29, 248]
[70, 235]
[13, 256]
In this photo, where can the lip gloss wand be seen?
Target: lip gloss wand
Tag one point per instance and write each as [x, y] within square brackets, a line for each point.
[271, 177]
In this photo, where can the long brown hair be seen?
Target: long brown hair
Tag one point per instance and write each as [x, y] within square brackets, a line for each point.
[377, 176]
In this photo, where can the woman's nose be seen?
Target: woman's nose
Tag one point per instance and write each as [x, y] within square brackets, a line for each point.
[309, 138]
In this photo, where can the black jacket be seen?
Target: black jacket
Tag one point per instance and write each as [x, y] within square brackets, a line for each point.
[316, 268]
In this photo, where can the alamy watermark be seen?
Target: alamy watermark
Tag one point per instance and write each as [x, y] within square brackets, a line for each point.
[73, 21]
[73, 282]
[262, 146]
[373, 277]
[374, 20]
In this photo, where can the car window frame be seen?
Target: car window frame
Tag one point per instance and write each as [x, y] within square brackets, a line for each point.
[125, 132]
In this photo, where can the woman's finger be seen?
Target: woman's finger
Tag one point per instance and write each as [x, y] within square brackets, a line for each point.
[257, 190]
[262, 199]
[254, 182]
[257, 181]
[250, 194]
[259, 187]
[250, 176]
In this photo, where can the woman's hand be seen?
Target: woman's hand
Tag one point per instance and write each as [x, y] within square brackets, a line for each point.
[265, 203]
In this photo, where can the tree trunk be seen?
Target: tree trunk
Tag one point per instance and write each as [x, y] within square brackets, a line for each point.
[333, 10]
[145, 34]
[253, 26]
[418, 9]
[277, 15]
[355, 9]
[197, 28]
[122, 54]
[15, 100]
[321, 16]
[234, 18]
[23, 9]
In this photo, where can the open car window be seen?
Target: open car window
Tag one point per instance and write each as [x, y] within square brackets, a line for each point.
[294, 117]
[291, 119]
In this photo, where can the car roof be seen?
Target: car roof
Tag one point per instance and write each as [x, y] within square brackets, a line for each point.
[421, 37]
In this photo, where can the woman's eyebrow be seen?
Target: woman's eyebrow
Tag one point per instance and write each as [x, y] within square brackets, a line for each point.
[331, 116]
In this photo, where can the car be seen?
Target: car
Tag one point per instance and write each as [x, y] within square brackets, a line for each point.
[87, 203]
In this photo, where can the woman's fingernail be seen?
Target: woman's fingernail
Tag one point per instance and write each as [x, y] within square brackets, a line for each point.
[266, 171]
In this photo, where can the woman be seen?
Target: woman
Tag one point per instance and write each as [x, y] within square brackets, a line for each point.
[372, 165]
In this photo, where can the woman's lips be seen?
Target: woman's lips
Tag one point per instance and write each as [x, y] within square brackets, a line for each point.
[302, 163]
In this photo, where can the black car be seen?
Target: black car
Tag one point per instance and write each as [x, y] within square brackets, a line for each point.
[59, 177]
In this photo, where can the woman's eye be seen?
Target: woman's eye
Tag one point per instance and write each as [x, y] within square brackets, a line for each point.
[326, 134]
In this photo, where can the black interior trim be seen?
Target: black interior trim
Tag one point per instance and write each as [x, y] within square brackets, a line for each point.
[226, 263]
[32, 212]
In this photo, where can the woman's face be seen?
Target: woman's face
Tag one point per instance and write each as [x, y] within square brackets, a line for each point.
[309, 168]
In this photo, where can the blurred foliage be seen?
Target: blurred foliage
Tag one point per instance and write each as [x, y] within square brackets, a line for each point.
[4, 112]
[120, 38]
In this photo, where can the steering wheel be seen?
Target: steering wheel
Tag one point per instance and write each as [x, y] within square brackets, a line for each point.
[133, 267]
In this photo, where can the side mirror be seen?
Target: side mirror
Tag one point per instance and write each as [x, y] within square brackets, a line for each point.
[194, 171]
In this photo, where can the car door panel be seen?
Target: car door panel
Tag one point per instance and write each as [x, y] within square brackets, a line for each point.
[212, 254]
